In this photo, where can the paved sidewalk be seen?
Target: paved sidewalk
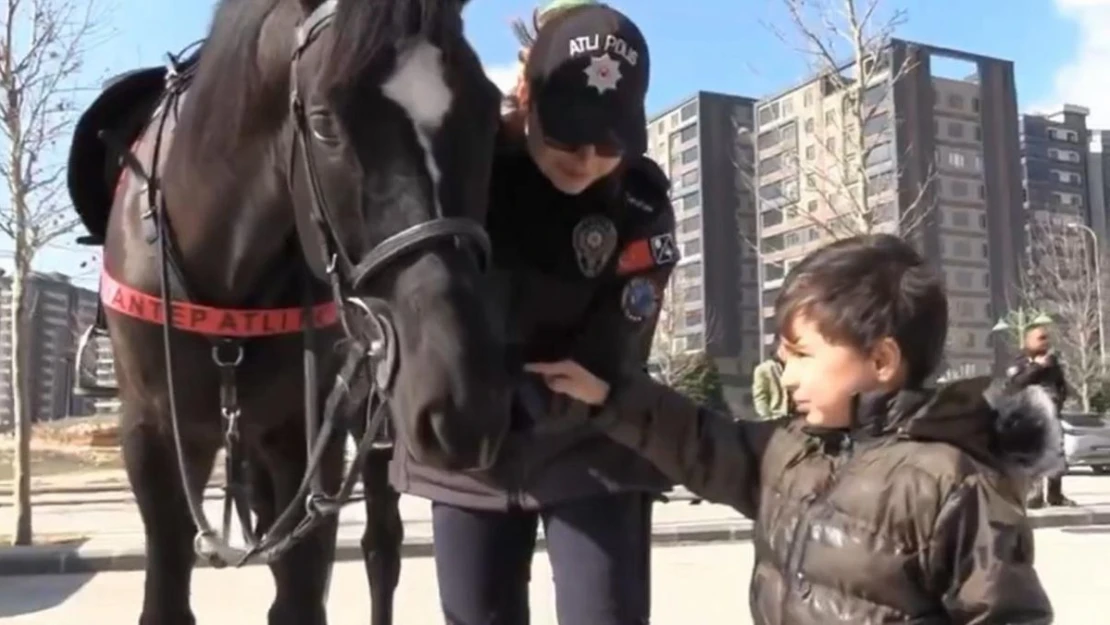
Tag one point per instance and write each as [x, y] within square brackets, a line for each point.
[676, 522]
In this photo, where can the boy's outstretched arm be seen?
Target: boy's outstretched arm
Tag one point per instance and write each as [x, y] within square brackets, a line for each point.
[981, 558]
[711, 454]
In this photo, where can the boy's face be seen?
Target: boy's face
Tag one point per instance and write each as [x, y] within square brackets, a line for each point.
[822, 377]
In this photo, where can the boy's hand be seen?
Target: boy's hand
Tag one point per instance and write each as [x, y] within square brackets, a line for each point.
[570, 378]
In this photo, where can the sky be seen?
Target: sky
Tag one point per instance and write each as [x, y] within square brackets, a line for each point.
[1061, 49]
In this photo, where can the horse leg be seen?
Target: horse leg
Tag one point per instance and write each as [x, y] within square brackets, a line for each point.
[303, 573]
[151, 462]
[382, 538]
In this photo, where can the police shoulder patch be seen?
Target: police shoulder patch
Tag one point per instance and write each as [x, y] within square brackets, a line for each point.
[640, 299]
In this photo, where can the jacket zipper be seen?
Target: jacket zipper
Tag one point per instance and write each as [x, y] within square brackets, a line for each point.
[793, 575]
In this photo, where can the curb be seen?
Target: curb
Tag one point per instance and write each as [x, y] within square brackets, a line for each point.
[75, 559]
[72, 559]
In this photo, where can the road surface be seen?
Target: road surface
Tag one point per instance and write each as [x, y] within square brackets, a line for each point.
[704, 584]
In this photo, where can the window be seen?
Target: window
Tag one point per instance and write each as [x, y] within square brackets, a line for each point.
[693, 318]
[961, 248]
[978, 133]
[983, 221]
[689, 155]
[969, 340]
[830, 118]
[690, 178]
[986, 280]
[975, 104]
[691, 271]
[963, 279]
[956, 159]
[811, 206]
[959, 188]
[771, 218]
[771, 191]
[690, 224]
[691, 200]
[770, 164]
[830, 144]
[692, 294]
[772, 271]
[769, 113]
[811, 152]
[877, 124]
[688, 133]
[955, 130]
[691, 247]
[809, 125]
[955, 101]
[879, 155]
[960, 219]
[982, 192]
[689, 111]
[694, 341]
[807, 98]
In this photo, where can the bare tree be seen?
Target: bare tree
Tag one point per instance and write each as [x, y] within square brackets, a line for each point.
[42, 49]
[848, 47]
[671, 355]
[1059, 279]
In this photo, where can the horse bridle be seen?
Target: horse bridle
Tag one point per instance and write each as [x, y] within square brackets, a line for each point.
[367, 372]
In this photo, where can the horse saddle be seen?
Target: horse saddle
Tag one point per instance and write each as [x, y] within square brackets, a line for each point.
[122, 110]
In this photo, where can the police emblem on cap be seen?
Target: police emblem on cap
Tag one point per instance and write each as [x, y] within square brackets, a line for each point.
[595, 240]
[603, 73]
[640, 299]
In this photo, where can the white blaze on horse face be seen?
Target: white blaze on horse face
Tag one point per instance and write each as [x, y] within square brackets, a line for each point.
[418, 86]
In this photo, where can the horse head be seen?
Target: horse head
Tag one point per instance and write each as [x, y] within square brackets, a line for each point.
[375, 124]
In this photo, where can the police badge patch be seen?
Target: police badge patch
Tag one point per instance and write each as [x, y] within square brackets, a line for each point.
[640, 299]
[595, 240]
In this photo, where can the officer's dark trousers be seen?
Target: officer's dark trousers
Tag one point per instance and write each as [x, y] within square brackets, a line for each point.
[599, 549]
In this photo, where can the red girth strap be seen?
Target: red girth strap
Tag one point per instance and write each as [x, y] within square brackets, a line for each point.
[208, 320]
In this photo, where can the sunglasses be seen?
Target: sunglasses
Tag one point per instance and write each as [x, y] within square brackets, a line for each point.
[604, 150]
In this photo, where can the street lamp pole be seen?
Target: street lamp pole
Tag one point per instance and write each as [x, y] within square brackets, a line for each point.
[1098, 289]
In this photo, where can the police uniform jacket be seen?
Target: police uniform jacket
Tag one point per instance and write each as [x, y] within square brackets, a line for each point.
[580, 277]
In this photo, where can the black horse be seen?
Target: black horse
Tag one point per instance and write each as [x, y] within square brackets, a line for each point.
[308, 194]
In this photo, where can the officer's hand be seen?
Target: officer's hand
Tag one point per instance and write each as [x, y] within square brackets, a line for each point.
[570, 378]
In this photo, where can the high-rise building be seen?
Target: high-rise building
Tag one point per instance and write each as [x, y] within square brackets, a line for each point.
[59, 311]
[940, 140]
[704, 145]
[1098, 183]
[1054, 160]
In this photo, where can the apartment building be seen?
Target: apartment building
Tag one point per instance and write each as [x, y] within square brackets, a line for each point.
[60, 310]
[941, 141]
[704, 145]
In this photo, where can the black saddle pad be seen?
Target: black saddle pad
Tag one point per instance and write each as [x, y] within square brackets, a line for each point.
[123, 109]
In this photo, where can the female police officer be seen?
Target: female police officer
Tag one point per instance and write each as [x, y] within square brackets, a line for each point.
[583, 238]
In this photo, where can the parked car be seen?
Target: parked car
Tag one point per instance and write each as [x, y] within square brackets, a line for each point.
[1087, 441]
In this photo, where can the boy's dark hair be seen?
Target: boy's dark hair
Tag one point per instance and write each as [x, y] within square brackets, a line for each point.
[865, 288]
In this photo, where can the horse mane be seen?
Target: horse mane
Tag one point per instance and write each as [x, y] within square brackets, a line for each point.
[368, 35]
[235, 73]
[229, 80]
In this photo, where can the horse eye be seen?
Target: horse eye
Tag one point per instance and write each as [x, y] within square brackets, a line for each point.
[323, 127]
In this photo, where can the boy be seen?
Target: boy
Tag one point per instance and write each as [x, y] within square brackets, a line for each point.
[884, 501]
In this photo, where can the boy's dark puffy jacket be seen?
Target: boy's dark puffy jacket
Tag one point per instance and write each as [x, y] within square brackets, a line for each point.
[914, 515]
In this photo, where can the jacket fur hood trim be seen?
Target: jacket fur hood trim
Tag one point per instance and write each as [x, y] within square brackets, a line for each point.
[1027, 432]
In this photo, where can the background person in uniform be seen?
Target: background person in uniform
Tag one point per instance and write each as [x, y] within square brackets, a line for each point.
[770, 399]
[1038, 364]
[583, 245]
[886, 501]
